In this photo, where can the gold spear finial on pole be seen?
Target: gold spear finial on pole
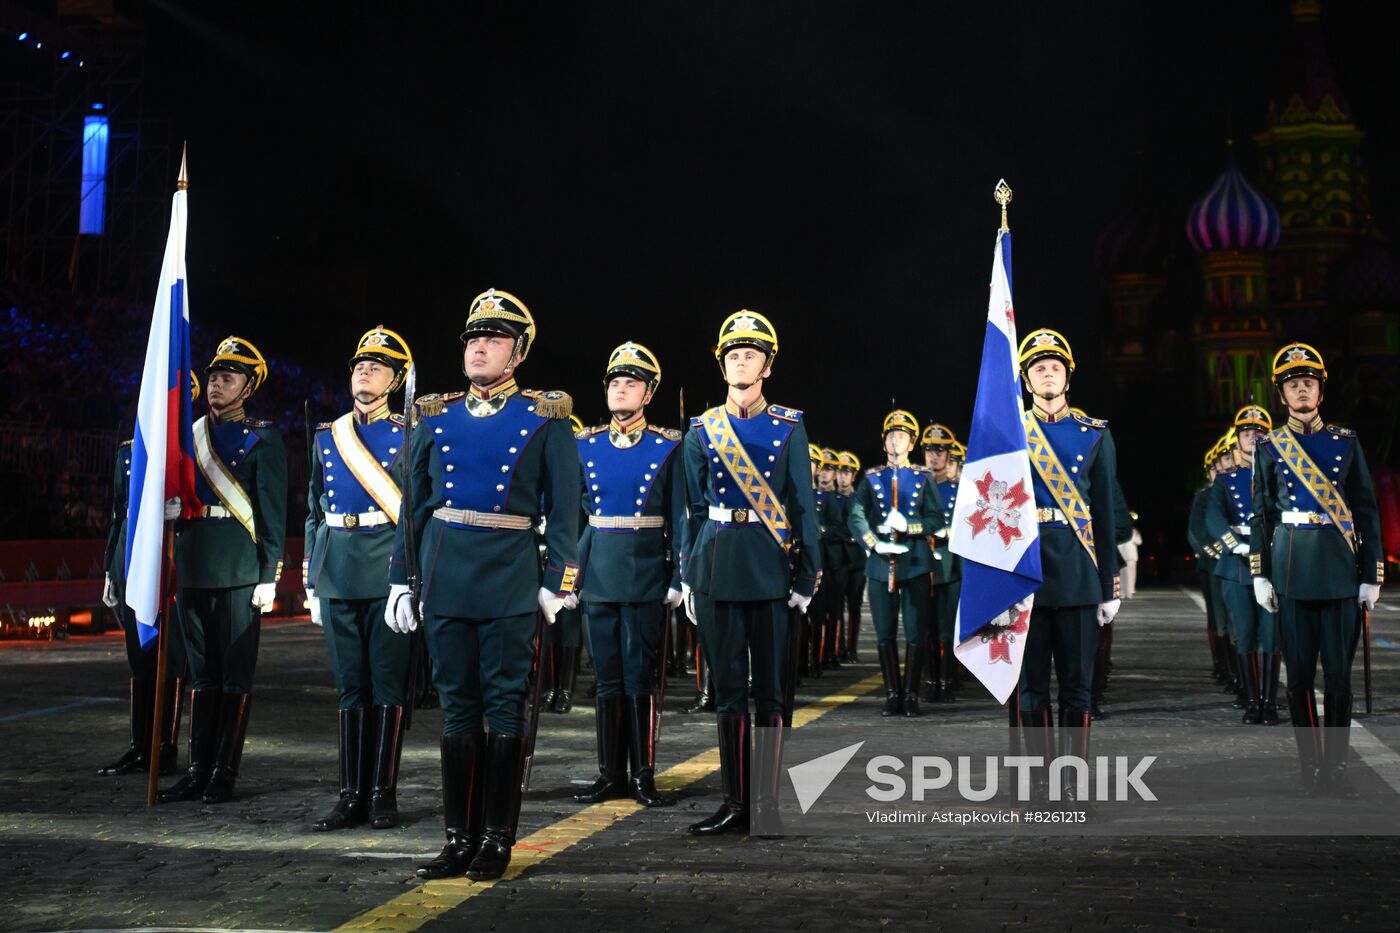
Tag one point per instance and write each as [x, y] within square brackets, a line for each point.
[183, 182]
[1003, 196]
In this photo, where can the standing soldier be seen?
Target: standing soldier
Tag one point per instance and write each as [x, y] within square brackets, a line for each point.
[562, 642]
[1315, 553]
[895, 510]
[635, 499]
[1225, 463]
[352, 505]
[484, 468]
[1204, 552]
[751, 510]
[850, 556]
[834, 532]
[1075, 471]
[938, 442]
[228, 557]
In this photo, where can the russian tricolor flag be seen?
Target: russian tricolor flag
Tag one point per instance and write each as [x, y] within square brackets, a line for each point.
[162, 453]
[995, 528]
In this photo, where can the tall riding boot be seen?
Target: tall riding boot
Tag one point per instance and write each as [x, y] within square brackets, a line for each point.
[705, 697]
[1336, 745]
[1302, 709]
[1038, 732]
[549, 671]
[810, 664]
[1074, 741]
[564, 679]
[233, 728]
[913, 672]
[141, 694]
[349, 810]
[462, 768]
[767, 774]
[170, 734]
[388, 748]
[1269, 706]
[930, 689]
[204, 731]
[733, 814]
[1238, 677]
[641, 751]
[684, 642]
[833, 655]
[1217, 658]
[505, 765]
[1098, 684]
[1249, 664]
[612, 761]
[888, 654]
[853, 634]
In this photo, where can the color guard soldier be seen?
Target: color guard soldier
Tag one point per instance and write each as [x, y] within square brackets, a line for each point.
[352, 505]
[1074, 474]
[1316, 556]
[938, 442]
[849, 592]
[485, 467]
[894, 512]
[751, 509]
[634, 495]
[228, 557]
[562, 642]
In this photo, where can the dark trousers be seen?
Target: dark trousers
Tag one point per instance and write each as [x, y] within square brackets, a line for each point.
[945, 609]
[1251, 624]
[567, 630]
[1328, 628]
[220, 629]
[909, 599]
[369, 659]
[743, 638]
[623, 639]
[1066, 636]
[1215, 600]
[481, 668]
[143, 661]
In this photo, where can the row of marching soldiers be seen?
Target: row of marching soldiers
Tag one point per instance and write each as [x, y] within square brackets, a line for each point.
[1287, 536]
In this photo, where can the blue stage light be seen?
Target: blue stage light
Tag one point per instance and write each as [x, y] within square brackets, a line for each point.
[23, 36]
[65, 54]
[91, 208]
[97, 106]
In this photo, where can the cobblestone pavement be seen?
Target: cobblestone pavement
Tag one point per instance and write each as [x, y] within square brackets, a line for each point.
[82, 852]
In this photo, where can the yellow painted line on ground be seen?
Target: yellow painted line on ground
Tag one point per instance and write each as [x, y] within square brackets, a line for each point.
[432, 899]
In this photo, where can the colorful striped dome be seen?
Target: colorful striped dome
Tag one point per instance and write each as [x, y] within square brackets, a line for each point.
[1232, 215]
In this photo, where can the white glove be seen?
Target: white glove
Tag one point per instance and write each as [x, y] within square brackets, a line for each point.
[1240, 549]
[571, 601]
[688, 597]
[941, 533]
[1024, 604]
[313, 605]
[550, 604]
[109, 599]
[1108, 610]
[173, 507]
[674, 597]
[897, 522]
[264, 595]
[398, 611]
[889, 548]
[1264, 594]
[1370, 592]
[799, 602]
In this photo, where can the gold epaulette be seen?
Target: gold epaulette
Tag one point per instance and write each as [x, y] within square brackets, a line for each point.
[1338, 429]
[1091, 422]
[671, 434]
[435, 404]
[874, 471]
[325, 425]
[919, 468]
[590, 432]
[553, 404]
[787, 414]
[396, 418]
[256, 423]
[125, 443]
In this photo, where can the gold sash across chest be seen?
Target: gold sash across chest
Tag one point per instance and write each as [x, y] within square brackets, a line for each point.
[1296, 459]
[749, 477]
[220, 479]
[1061, 485]
[368, 471]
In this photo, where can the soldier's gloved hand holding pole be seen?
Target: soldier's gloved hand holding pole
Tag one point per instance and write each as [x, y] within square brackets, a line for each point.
[897, 522]
[173, 507]
[1107, 611]
[674, 597]
[889, 547]
[1264, 594]
[398, 611]
[1369, 593]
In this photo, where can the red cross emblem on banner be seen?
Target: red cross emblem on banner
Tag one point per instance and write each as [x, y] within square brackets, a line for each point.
[998, 508]
[1000, 639]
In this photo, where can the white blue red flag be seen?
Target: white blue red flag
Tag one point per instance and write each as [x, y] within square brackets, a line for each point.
[995, 528]
[162, 451]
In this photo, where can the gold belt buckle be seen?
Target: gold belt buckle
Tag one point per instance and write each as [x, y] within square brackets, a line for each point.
[1314, 518]
[740, 515]
[352, 521]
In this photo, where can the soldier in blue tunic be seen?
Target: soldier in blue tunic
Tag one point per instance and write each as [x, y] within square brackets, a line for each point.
[228, 557]
[634, 496]
[749, 492]
[849, 592]
[1229, 508]
[1315, 553]
[810, 660]
[352, 505]
[562, 642]
[895, 512]
[938, 442]
[485, 466]
[1074, 472]
[834, 533]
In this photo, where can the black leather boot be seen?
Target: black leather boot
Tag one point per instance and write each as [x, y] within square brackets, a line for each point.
[387, 749]
[549, 670]
[705, 698]
[913, 674]
[833, 656]
[1249, 664]
[140, 698]
[853, 634]
[1269, 704]
[170, 735]
[1302, 708]
[768, 768]
[733, 814]
[349, 810]
[1336, 746]
[1217, 659]
[505, 764]
[564, 679]
[612, 761]
[233, 729]
[204, 731]
[641, 751]
[462, 798]
[1038, 733]
[888, 654]
[931, 690]
[1074, 741]
[1098, 684]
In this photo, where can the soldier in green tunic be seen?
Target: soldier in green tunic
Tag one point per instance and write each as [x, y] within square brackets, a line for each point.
[849, 590]
[895, 511]
[937, 442]
[1317, 560]
[485, 466]
[562, 642]
[228, 557]
[352, 505]
[833, 533]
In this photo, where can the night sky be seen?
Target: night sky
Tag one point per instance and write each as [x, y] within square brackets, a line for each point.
[638, 171]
